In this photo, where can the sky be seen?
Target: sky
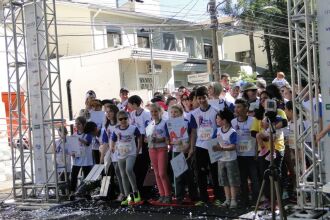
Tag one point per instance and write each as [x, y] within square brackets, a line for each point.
[191, 10]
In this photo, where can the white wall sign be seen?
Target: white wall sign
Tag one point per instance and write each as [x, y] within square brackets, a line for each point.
[199, 78]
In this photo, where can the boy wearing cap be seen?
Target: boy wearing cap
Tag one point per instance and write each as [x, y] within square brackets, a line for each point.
[123, 94]
[90, 96]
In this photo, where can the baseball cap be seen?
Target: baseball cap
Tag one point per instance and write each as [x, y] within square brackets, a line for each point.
[124, 89]
[90, 94]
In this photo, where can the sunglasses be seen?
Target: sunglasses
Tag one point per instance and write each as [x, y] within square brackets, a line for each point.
[120, 119]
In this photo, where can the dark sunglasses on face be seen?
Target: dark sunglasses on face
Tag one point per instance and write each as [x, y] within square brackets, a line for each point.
[120, 119]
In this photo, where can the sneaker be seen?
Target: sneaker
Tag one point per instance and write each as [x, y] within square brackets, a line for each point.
[126, 201]
[226, 203]
[200, 203]
[233, 204]
[137, 197]
[167, 199]
[217, 203]
[161, 199]
[120, 197]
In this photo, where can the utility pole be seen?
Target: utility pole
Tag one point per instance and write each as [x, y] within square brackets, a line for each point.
[152, 63]
[214, 25]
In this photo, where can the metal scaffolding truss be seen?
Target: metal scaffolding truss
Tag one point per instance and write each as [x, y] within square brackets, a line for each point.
[20, 134]
[304, 74]
[41, 96]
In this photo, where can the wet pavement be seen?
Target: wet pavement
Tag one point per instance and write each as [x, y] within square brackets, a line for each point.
[92, 209]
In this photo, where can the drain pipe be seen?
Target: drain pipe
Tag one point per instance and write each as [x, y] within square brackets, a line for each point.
[68, 90]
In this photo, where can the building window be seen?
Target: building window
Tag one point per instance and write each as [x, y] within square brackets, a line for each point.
[169, 42]
[190, 46]
[145, 82]
[114, 36]
[208, 51]
[143, 40]
[243, 56]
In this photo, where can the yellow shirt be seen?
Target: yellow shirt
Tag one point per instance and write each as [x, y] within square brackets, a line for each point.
[279, 136]
[257, 127]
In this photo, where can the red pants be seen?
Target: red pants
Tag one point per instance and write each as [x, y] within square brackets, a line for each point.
[158, 157]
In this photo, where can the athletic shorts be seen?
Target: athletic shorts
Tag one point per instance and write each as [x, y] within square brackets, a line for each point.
[229, 173]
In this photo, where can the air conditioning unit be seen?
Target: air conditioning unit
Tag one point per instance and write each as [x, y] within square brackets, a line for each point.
[245, 54]
[157, 68]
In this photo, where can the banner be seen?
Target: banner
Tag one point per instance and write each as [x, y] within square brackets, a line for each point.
[39, 99]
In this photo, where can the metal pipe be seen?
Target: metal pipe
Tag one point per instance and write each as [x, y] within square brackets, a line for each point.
[68, 91]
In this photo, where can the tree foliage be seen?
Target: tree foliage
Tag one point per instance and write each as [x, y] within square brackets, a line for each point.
[269, 16]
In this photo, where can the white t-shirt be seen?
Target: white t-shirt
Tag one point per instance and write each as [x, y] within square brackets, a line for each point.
[86, 157]
[125, 140]
[220, 104]
[225, 139]
[229, 98]
[289, 133]
[106, 135]
[60, 147]
[178, 129]
[308, 123]
[140, 120]
[280, 82]
[158, 131]
[246, 144]
[204, 122]
[122, 105]
[165, 116]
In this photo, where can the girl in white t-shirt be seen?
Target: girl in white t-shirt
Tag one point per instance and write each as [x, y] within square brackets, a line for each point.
[229, 176]
[123, 141]
[84, 160]
[140, 118]
[156, 138]
[111, 111]
[63, 158]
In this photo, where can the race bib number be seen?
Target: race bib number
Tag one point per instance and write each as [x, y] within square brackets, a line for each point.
[124, 149]
[244, 146]
[205, 133]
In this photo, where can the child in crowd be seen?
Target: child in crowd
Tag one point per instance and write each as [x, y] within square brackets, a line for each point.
[203, 124]
[280, 80]
[111, 111]
[63, 158]
[156, 138]
[178, 131]
[229, 176]
[246, 150]
[123, 140]
[84, 160]
[140, 117]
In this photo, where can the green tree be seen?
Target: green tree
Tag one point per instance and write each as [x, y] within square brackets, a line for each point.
[268, 16]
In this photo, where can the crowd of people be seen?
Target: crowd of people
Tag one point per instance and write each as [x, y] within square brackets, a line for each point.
[228, 119]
